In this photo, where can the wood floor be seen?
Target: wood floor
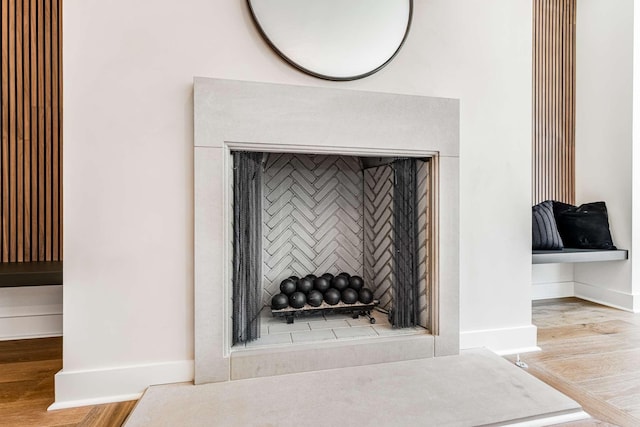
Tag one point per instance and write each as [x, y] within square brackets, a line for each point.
[589, 352]
[27, 368]
[592, 354]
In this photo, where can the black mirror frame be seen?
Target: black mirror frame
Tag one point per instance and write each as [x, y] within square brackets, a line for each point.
[323, 76]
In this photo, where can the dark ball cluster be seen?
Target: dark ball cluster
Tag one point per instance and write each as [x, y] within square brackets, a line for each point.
[315, 291]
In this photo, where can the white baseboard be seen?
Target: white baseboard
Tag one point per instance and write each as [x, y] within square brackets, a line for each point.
[519, 339]
[96, 401]
[540, 291]
[552, 420]
[25, 327]
[91, 387]
[609, 297]
[30, 312]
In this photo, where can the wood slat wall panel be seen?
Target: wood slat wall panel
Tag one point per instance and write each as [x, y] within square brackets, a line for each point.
[31, 115]
[553, 160]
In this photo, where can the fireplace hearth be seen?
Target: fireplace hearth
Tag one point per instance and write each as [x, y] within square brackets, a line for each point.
[336, 226]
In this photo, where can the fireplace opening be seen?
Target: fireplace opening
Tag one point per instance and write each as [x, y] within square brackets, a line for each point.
[304, 216]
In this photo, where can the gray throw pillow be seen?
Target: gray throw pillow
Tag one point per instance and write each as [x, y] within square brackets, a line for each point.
[545, 230]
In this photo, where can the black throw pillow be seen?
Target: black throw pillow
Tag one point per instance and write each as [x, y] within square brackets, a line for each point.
[545, 231]
[585, 226]
[559, 207]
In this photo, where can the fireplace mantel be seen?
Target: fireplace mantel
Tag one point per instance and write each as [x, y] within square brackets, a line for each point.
[235, 115]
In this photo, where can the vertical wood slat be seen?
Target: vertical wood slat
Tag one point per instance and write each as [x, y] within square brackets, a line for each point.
[33, 13]
[41, 135]
[58, 160]
[12, 129]
[26, 26]
[19, 136]
[31, 146]
[48, 137]
[553, 109]
[5, 131]
[55, 128]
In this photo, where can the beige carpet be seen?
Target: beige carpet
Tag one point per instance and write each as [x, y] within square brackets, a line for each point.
[474, 389]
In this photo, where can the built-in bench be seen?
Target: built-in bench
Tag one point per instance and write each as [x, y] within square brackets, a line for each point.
[577, 255]
[16, 274]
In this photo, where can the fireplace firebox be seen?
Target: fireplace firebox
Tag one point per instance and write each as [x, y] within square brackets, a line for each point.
[343, 218]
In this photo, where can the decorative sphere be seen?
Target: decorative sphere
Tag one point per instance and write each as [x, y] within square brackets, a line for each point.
[304, 285]
[340, 282]
[314, 298]
[287, 286]
[311, 276]
[332, 296]
[365, 296]
[294, 278]
[349, 296]
[321, 284]
[356, 283]
[347, 275]
[328, 276]
[279, 301]
[297, 300]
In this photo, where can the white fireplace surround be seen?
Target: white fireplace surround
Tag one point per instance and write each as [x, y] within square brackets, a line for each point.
[236, 115]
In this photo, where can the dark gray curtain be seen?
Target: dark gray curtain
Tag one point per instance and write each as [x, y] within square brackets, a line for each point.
[247, 245]
[405, 309]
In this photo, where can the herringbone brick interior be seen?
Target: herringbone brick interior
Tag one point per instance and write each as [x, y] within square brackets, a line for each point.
[322, 213]
[423, 238]
[378, 235]
[313, 210]
[378, 239]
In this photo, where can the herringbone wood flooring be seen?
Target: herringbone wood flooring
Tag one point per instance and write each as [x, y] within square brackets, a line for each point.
[591, 353]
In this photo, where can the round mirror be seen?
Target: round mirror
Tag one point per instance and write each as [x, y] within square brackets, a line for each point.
[334, 39]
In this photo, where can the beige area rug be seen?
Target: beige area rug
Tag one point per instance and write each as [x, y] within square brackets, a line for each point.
[475, 388]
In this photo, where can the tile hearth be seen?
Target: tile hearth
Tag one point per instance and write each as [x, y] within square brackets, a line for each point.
[274, 331]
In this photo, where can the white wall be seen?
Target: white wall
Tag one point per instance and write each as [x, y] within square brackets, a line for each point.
[480, 52]
[128, 309]
[604, 123]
